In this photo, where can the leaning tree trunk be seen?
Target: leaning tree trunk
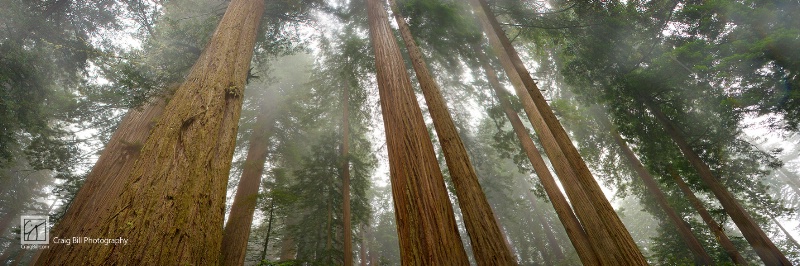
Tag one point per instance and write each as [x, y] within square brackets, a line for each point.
[565, 157]
[347, 227]
[426, 226]
[237, 229]
[786, 232]
[93, 202]
[485, 235]
[579, 238]
[763, 246]
[715, 228]
[700, 255]
[173, 206]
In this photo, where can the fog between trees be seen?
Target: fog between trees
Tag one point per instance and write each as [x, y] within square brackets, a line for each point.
[413, 132]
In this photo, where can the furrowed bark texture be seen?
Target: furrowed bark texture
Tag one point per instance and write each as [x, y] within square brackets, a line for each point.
[237, 229]
[488, 245]
[348, 227]
[550, 130]
[700, 255]
[171, 210]
[715, 228]
[579, 238]
[426, 226]
[763, 246]
[93, 202]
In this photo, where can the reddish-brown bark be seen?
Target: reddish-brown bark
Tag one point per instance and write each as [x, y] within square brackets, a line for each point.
[700, 255]
[171, 210]
[586, 250]
[485, 236]
[426, 226]
[763, 246]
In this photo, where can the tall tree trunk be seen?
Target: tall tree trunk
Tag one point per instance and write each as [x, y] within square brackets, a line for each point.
[426, 225]
[539, 231]
[763, 246]
[715, 228]
[488, 246]
[269, 229]
[700, 255]
[176, 196]
[363, 246]
[786, 232]
[579, 238]
[237, 229]
[559, 148]
[93, 202]
[555, 248]
[347, 228]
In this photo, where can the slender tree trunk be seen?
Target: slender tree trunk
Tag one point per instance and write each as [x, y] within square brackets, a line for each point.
[329, 234]
[93, 202]
[555, 248]
[786, 232]
[559, 148]
[363, 247]
[269, 229]
[579, 238]
[787, 178]
[763, 246]
[488, 246]
[715, 228]
[539, 231]
[426, 225]
[237, 230]
[700, 255]
[348, 230]
[176, 195]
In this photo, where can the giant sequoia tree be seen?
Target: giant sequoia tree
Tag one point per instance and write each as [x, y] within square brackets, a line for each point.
[177, 196]
[129, 129]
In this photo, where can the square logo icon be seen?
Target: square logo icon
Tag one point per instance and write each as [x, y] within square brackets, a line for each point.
[34, 230]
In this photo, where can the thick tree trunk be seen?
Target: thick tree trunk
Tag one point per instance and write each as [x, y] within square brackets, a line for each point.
[715, 228]
[700, 255]
[426, 226]
[579, 238]
[565, 157]
[237, 229]
[485, 236]
[93, 202]
[763, 246]
[348, 229]
[172, 208]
